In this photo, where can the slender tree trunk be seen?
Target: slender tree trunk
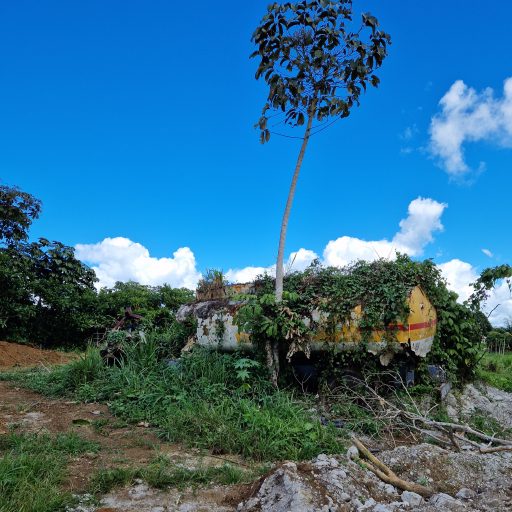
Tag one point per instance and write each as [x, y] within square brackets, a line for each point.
[286, 215]
[273, 348]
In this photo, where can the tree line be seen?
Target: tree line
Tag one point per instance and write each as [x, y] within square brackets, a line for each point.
[48, 296]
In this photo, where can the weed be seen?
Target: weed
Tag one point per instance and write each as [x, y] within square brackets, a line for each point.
[488, 425]
[107, 479]
[496, 370]
[202, 402]
[32, 469]
[163, 474]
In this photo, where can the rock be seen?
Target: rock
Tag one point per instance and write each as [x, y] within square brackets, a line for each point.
[324, 461]
[389, 489]
[344, 497]
[411, 498]
[368, 505]
[381, 508]
[465, 494]
[139, 491]
[352, 453]
[96, 413]
[286, 490]
[443, 501]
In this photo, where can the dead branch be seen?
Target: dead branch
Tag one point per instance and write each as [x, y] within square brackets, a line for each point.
[378, 468]
[399, 419]
[494, 449]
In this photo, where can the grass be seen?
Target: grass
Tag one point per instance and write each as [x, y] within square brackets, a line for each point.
[203, 402]
[496, 370]
[33, 469]
[481, 421]
[163, 474]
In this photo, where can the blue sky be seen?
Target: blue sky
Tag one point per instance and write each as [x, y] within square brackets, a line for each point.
[135, 119]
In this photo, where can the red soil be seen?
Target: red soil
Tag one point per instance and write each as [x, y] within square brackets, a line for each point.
[14, 355]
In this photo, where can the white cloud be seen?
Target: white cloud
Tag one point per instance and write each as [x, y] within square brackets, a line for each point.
[300, 260]
[487, 252]
[460, 274]
[248, 274]
[120, 259]
[297, 261]
[416, 231]
[469, 116]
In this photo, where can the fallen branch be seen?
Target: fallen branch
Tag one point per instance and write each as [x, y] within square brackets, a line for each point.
[494, 449]
[449, 434]
[378, 468]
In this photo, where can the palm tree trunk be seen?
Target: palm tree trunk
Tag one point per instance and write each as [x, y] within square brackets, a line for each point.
[272, 349]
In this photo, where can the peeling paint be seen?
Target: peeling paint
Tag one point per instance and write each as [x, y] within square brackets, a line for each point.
[417, 334]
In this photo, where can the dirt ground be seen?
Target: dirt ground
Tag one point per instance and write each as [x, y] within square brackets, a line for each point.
[122, 445]
[487, 478]
[14, 355]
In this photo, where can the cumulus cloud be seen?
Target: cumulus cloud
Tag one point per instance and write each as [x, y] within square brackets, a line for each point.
[469, 116]
[459, 276]
[297, 261]
[416, 231]
[248, 274]
[120, 259]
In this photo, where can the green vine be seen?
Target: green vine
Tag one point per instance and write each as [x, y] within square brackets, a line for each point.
[381, 288]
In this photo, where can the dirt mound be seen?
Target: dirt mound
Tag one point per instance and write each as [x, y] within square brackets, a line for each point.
[14, 355]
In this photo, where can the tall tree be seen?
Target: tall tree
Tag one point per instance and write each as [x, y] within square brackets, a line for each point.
[17, 211]
[316, 63]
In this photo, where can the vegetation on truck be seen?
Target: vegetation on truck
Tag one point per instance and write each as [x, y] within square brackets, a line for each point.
[381, 289]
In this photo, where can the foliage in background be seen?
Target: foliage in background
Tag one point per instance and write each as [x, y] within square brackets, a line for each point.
[18, 210]
[47, 296]
[496, 370]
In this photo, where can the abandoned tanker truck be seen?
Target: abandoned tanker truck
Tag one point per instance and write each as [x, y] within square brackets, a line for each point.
[216, 307]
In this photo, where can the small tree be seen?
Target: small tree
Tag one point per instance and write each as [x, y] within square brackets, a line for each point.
[316, 65]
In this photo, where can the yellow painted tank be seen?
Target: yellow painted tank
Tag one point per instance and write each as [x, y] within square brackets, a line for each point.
[417, 333]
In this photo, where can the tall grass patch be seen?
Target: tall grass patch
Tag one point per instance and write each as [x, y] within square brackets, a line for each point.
[208, 400]
[33, 468]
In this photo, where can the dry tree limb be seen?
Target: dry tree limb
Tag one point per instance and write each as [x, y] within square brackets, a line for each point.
[396, 417]
[378, 468]
[464, 428]
[494, 449]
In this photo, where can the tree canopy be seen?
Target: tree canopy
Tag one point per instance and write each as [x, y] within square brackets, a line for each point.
[315, 61]
[18, 210]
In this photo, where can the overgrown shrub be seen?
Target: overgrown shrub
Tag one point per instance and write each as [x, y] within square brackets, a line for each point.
[381, 288]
